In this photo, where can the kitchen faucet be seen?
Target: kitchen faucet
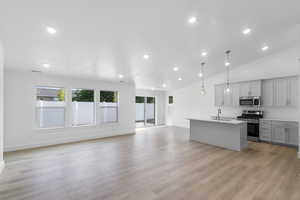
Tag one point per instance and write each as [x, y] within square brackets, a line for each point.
[219, 112]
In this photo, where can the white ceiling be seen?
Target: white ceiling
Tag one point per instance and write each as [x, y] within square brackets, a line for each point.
[102, 39]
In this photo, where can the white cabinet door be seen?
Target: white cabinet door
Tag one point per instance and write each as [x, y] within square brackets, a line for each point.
[228, 98]
[293, 91]
[293, 136]
[255, 88]
[281, 92]
[244, 89]
[279, 134]
[235, 95]
[265, 134]
[219, 95]
[268, 92]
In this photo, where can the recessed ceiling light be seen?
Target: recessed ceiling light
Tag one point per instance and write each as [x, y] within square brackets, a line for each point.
[121, 76]
[46, 65]
[152, 88]
[180, 79]
[146, 56]
[227, 64]
[164, 85]
[192, 20]
[265, 48]
[204, 54]
[200, 74]
[247, 31]
[51, 30]
[175, 69]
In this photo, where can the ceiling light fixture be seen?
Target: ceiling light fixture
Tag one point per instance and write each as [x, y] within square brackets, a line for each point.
[227, 87]
[192, 20]
[51, 30]
[247, 31]
[227, 64]
[204, 54]
[202, 90]
[121, 76]
[146, 56]
[164, 85]
[180, 79]
[46, 65]
[265, 48]
[175, 69]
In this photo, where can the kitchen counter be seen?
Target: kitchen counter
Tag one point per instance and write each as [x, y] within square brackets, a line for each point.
[276, 119]
[229, 134]
[225, 121]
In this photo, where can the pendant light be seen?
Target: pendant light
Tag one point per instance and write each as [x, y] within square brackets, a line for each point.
[227, 64]
[202, 90]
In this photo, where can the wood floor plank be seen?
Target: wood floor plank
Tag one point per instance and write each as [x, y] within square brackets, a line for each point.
[155, 164]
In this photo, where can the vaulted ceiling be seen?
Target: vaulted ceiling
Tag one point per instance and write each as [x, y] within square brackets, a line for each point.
[101, 39]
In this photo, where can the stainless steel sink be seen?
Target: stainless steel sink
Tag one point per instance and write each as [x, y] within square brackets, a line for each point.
[221, 118]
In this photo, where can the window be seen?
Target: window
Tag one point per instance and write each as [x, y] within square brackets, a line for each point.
[108, 106]
[82, 107]
[50, 107]
[171, 100]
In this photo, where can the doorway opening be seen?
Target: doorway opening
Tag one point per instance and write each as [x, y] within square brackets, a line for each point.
[145, 111]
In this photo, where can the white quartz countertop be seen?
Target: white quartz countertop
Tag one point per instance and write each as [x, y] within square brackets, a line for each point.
[276, 119]
[231, 121]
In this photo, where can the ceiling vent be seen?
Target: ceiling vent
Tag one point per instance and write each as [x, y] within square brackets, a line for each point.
[36, 71]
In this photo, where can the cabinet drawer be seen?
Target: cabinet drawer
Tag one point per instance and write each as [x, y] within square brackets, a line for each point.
[265, 126]
[265, 135]
[265, 129]
[265, 123]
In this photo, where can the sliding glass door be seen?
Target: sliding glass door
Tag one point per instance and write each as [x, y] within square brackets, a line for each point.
[145, 111]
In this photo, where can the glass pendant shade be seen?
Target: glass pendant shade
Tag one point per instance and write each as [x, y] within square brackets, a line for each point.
[202, 91]
[201, 74]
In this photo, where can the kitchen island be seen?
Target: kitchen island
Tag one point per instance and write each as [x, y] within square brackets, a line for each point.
[230, 133]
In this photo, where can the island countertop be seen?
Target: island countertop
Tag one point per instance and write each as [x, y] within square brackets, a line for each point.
[231, 121]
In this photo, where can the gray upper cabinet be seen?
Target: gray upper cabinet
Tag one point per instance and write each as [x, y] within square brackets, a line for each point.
[293, 91]
[267, 93]
[255, 88]
[235, 93]
[244, 89]
[250, 88]
[280, 92]
[219, 95]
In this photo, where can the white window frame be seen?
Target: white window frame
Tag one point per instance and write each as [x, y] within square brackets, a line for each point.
[71, 109]
[117, 106]
[39, 107]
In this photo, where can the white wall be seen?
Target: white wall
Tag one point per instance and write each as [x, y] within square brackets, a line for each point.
[160, 103]
[1, 106]
[189, 103]
[19, 111]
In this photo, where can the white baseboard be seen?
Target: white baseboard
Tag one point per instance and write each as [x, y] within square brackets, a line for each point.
[2, 165]
[62, 141]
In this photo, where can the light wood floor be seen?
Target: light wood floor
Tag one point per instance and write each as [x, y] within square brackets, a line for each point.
[157, 163]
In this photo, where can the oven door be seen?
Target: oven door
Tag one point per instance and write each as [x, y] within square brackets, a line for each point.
[246, 101]
[253, 131]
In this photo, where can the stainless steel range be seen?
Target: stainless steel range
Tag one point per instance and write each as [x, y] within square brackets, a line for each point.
[252, 117]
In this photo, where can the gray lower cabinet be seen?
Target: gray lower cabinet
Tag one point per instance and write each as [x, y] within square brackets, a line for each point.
[279, 132]
[292, 134]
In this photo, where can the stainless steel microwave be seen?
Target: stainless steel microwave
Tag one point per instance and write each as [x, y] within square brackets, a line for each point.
[250, 101]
